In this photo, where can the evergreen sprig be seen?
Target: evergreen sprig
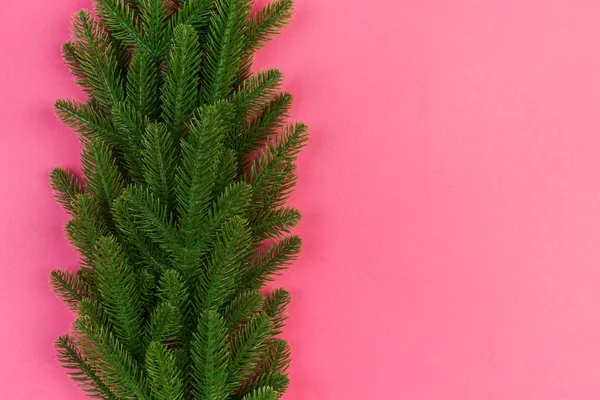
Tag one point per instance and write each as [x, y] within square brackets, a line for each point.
[181, 217]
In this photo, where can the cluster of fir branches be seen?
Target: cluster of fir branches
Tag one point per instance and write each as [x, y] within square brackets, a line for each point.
[181, 216]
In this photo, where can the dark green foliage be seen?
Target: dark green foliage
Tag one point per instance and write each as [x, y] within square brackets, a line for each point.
[211, 356]
[227, 36]
[96, 60]
[180, 91]
[159, 162]
[256, 91]
[66, 186]
[80, 371]
[165, 379]
[266, 123]
[103, 180]
[266, 263]
[86, 119]
[276, 303]
[120, 291]
[69, 287]
[129, 127]
[242, 308]
[267, 22]
[262, 393]
[87, 225]
[181, 215]
[248, 345]
[143, 89]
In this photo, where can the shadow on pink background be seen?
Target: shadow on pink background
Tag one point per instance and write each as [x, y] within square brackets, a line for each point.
[450, 193]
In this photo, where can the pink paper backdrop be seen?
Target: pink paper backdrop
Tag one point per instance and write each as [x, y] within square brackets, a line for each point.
[450, 192]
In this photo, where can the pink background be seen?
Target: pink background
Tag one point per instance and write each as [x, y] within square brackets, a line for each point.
[450, 192]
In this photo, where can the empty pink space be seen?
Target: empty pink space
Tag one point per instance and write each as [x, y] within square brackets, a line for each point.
[450, 191]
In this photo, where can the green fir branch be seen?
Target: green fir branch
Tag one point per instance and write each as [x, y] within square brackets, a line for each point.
[82, 373]
[277, 381]
[119, 368]
[276, 222]
[97, 60]
[210, 352]
[87, 226]
[247, 347]
[155, 17]
[276, 303]
[197, 14]
[267, 23]
[85, 119]
[270, 262]
[218, 280]
[103, 180]
[163, 374]
[256, 91]
[224, 45]
[149, 215]
[66, 186]
[180, 91]
[69, 287]
[201, 152]
[181, 214]
[119, 289]
[130, 125]
[277, 356]
[266, 123]
[158, 155]
[262, 393]
[163, 323]
[148, 252]
[242, 308]
[143, 90]
[123, 23]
